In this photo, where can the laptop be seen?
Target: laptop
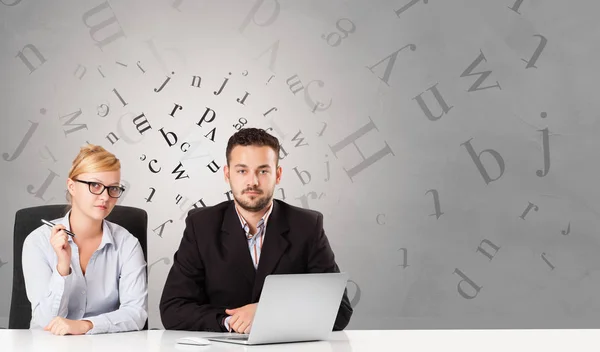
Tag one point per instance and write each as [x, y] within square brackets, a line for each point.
[293, 308]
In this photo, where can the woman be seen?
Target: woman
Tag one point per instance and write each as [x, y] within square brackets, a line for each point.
[94, 282]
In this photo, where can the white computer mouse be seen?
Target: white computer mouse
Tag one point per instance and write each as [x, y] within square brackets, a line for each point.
[199, 341]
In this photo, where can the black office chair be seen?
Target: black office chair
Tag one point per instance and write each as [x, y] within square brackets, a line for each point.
[26, 220]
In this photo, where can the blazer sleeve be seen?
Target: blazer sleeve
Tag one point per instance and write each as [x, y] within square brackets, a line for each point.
[184, 304]
[322, 260]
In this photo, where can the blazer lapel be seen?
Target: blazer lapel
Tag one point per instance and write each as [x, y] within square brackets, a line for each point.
[234, 240]
[275, 244]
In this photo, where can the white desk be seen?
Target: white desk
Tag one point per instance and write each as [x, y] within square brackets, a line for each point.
[346, 341]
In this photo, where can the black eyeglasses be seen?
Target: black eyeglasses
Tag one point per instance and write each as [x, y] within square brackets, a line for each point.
[97, 188]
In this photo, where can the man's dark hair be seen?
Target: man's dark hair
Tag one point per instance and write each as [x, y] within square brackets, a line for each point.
[255, 137]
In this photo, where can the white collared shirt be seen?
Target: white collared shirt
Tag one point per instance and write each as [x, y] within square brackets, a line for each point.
[113, 293]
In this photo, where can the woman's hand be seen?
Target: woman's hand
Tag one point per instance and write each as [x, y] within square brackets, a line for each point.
[63, 326]
[60, 243]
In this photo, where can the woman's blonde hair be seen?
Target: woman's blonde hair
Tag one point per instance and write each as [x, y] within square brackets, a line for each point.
[92, 158]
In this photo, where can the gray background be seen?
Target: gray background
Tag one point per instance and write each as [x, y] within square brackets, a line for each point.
[473, 204]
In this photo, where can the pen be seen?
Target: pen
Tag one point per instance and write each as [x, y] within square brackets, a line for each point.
[49, 223]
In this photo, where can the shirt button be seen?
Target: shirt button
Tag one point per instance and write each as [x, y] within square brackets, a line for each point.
[81, 311]
[83, 292]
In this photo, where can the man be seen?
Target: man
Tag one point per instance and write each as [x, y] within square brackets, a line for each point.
[228, 249]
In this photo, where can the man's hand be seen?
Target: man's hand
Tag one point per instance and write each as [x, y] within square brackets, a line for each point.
[242, 318]
[63, 326]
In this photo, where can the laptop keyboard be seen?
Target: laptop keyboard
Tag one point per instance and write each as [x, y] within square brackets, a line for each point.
[241, 337]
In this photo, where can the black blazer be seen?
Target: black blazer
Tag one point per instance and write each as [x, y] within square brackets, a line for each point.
[213, 270]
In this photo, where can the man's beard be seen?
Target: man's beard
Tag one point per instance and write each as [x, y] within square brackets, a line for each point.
[261, 201]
